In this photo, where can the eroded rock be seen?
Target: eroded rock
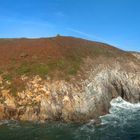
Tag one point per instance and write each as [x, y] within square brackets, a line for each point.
[77, 101]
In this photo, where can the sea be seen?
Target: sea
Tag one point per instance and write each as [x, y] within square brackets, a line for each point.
[122, 123]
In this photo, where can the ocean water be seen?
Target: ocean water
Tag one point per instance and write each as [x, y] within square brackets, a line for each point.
[123, 123]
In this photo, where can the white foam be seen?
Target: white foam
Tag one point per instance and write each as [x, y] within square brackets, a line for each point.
[121, 112]
[4, 122]
[119, 102]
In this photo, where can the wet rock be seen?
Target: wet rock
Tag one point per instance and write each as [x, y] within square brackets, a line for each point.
[2, 114]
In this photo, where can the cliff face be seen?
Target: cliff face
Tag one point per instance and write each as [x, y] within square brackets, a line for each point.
[77, 101]
[84, 96]
[137, 55]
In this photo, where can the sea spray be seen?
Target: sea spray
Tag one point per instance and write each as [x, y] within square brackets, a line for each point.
[121, 112]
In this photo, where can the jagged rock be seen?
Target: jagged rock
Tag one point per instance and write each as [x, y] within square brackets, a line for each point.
[10, 112]
[1, 80]
[81, 101]
[30, 114]
[2, 114]
[136, 54]
[10, 101]
[84, 96]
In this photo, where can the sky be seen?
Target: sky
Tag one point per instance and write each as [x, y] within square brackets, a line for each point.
[116, 22]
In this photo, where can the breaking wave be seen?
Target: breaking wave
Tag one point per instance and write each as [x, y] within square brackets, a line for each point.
[122, 123]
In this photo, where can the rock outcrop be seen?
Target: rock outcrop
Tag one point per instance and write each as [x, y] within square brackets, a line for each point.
[136, 54]
[80, 101]
[85, 96]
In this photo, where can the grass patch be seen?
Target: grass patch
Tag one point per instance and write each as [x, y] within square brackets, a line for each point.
[72, 71]
[61, 64]
[1, 72]
[32, 69]
[7, 77]
[40, 69]
[62, 67]
[23, 69]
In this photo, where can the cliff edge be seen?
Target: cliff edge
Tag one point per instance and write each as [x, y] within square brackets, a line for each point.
[64, 78]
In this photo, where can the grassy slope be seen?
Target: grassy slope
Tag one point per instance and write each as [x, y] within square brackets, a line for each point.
[58, 56]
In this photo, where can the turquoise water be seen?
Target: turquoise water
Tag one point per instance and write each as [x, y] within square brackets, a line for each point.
[123, 123]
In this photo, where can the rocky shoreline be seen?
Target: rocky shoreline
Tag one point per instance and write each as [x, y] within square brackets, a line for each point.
[79, 101]
[103, 73]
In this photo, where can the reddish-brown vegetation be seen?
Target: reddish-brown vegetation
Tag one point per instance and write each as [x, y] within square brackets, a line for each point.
[63, 55]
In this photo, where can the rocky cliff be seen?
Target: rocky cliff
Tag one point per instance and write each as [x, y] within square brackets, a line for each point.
[84, 93]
